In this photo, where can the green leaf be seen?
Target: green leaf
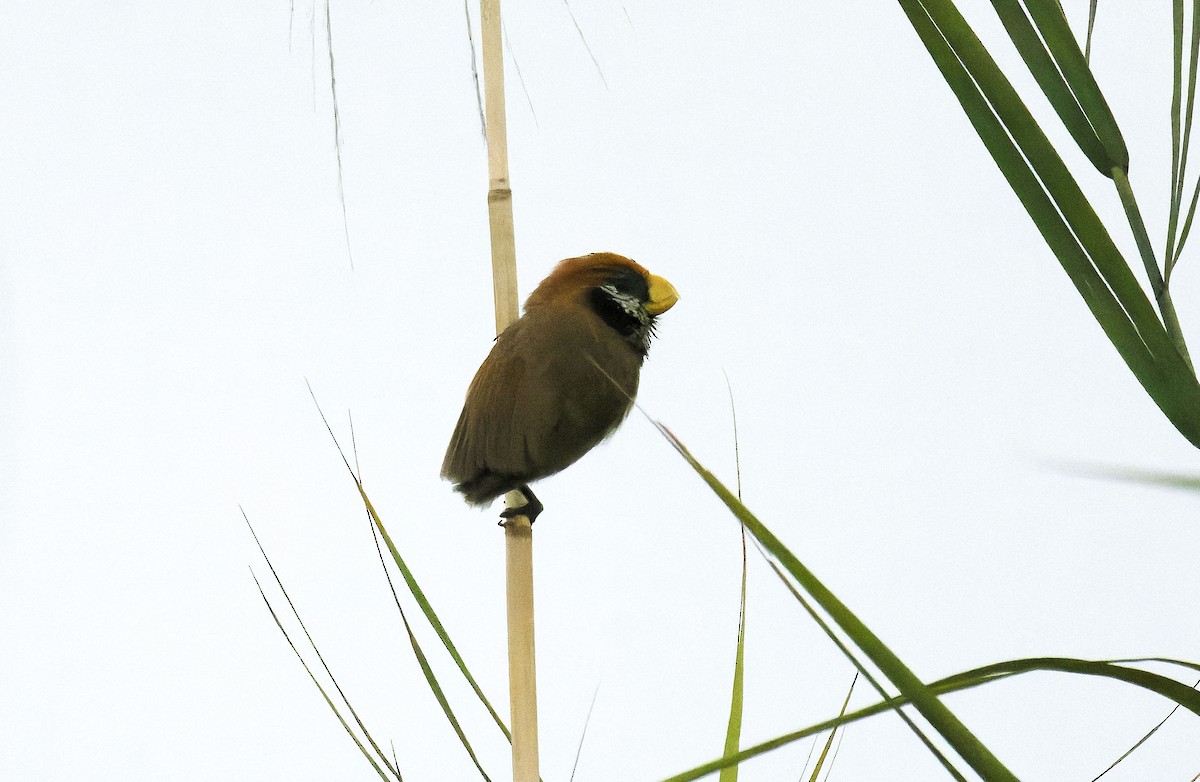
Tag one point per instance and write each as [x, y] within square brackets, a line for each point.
[1060, 69]
[1060, 211]
[923, 698]
[832, 734]
[733, 731]
[1180, 693]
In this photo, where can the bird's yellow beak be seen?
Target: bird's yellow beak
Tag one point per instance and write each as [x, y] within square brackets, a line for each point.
[662, 295]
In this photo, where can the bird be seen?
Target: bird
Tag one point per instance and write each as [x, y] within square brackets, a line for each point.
[558, 380]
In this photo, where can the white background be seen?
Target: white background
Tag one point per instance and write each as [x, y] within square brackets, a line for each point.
[917, 383]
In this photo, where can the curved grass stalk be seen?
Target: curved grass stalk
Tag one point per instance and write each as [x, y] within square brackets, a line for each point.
[1180, 693]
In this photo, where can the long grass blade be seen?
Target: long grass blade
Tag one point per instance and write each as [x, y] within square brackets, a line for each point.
[475, 70]
[864, 671]
[328, 701]
[1158, 284]
[1183, 235]
[832, 734]
[426, 670]
[583, 734]
[440, 695]
[337, 133]
[1061, 213]
[1080, 81]
[860, 667]
[998, 100]
[411, 582]
[1165, 686]
[1053, 57]
[923, 698]
[520, 77]
[313, 645]
[963, 681]
[430, 615]
[733, 729]
[583, 40]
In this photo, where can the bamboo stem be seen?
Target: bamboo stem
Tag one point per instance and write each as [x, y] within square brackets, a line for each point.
[518, 531]
[504, 244]
[522, 669]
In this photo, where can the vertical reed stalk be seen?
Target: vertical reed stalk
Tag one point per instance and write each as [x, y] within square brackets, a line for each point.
[518, 531]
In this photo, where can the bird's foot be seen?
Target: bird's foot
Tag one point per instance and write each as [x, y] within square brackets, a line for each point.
[530, 510]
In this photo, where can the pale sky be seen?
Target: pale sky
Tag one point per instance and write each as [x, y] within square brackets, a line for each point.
[915, 380]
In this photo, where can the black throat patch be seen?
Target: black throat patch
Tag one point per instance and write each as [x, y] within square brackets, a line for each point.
[620, 303]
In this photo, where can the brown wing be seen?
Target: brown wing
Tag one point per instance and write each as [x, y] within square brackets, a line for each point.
[556, 383]
[480, 455]
[580, 384]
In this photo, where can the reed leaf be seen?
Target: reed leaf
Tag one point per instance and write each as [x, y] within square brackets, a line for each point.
[409, 579]
[1053, 57]
[863, 670]
[733, 730]
[1061, 213]
[922, 697]
[1180, 693]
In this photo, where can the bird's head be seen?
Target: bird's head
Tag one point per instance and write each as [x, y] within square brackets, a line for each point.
[618, 290]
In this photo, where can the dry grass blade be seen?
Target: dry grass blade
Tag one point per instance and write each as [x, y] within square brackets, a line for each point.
[583, 39]
[337, 133]
[329, 702]
[320, 657]
[832, 734]
[520, 77]
[1143, 739]
[583, 734]
[475, 70]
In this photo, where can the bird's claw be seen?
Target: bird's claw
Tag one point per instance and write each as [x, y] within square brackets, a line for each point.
[530, 510]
